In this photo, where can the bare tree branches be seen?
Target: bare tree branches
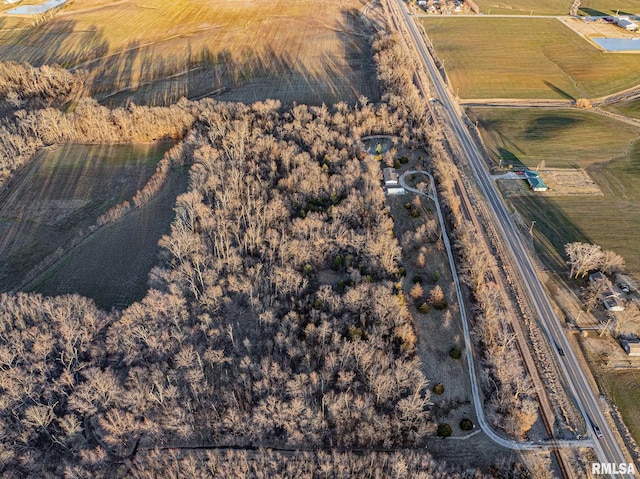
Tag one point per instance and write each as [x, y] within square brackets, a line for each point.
[585, 257]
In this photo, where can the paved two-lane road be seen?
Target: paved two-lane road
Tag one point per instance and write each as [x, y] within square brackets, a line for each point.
[607, 448]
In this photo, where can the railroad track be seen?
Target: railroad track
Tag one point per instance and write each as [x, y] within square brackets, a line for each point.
[546, 409]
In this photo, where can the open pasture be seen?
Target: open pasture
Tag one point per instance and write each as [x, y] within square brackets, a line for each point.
[62, 191]
[537, 58]
[524, 7]
[624, 387]
[556, 7]
[628, 108]
[562, 138]
[609, 221]
[609, 7]
[156, 51]
[608, 150]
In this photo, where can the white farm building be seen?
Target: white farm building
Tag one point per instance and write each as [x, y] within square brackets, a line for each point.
[628, 25]
[391, 182]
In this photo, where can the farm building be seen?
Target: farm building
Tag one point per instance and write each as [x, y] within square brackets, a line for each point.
[395, 191]
[624, 22]
[390, 177]
[631, 346]
[535, 182]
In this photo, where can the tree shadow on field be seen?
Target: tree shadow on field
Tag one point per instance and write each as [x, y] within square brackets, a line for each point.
[61, 192]
[53, 42]
[509, 158]
[559, 91]
[591, 12]
[343, 73]
[552, 229]
[161, 72]
[546, 127]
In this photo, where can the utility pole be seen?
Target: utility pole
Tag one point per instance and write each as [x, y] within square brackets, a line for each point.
[531, 228]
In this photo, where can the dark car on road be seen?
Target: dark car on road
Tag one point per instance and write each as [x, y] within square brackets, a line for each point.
[598, 432]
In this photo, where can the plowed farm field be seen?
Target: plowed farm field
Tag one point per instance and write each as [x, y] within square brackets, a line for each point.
[156, 51]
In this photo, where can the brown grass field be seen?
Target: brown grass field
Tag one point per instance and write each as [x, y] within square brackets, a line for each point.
[62, 191]
[112, 266]
[489, 57]
[156, 51]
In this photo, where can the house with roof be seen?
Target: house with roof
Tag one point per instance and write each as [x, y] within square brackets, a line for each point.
[390, 177]
[631, 346]
[608, 296]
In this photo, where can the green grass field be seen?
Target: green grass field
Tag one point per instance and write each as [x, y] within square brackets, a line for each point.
[630, 108]
[559, 137]
[556, 7]
[609, 221]
[526, 58]
[62, 191]
[609, 7]
[624, 387]
[524, 7]
[113, 265]
[610, 152]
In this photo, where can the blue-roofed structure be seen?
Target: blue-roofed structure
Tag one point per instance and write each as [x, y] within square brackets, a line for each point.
[535, 182]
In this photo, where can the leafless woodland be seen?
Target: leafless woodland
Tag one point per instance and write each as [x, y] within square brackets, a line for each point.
[252, 336]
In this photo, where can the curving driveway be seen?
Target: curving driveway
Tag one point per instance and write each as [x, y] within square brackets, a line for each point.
[475, 389]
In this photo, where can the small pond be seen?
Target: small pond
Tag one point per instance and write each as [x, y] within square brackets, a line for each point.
[35, 9]
[619, 44]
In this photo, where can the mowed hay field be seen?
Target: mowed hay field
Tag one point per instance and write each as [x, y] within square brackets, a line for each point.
[62, 191]
[156, 51]
[607, 149]
[489, 57]
[556, 7]
[112, 266]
